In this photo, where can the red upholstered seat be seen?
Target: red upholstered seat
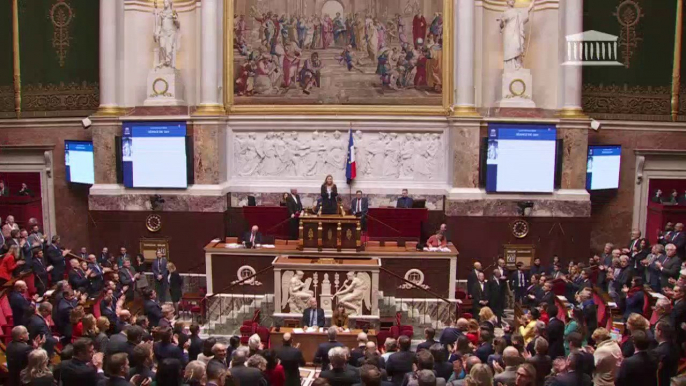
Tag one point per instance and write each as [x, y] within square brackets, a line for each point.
[246, 331]
[381, 337]
[647, 311]
[6, 309]
[395, 332]
[263, 332]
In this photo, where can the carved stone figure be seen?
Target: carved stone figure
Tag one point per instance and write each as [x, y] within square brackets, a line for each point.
[512, 23]
[166, 35]
[295, 292]
[355, 293]
[392, 156]
[406, 154]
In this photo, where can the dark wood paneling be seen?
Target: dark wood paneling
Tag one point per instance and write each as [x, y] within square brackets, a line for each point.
[187, 232]
[482, 238]
[225, 271]
[436, 276]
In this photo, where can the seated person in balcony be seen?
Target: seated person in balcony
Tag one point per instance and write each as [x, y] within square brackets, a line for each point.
[25, 191]
[253, 237]
[340, 317]
[4, 190]
[436, 241]
[404, 201]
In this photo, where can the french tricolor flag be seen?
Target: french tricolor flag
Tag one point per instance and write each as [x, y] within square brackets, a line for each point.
[351, 170]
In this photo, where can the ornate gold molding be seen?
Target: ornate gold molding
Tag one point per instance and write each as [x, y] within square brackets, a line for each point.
[210, 109]
[627, 102]
[61, 16]
[571, 113]
[16, 62]
[676, 68]
[465, 111]
[61, 97]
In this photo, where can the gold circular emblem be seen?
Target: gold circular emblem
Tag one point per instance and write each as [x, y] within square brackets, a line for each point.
[164, 83]
[520, 229]
[61, 14]
[513, 88]
[153, 222]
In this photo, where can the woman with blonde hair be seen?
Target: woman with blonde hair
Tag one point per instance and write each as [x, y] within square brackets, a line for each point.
[481, 375]
[90, 328]
[607, 357]
[633, 323]
[329, 192]
[103, 326]
[37, 372]
[488, 318]
[175, 285]
[195, 375]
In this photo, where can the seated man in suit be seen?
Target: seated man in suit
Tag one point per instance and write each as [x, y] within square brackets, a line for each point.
[19, 303]
[252, 238]
[404, 201]
[313, 316]
[340, 374]
[322, 354]
[360, 208]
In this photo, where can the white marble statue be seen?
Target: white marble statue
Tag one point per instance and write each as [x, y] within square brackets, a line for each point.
[380, 156]
[166, 35]
[295, 292]
[512, 23]
[355, 293]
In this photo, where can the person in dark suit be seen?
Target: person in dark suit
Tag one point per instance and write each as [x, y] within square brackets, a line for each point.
[329, 196]
[18, 353]
[519, 281]
[360, 207]
[40, 271]
[541, 361]
[573, 376]
[253, 237]
[37, 326]
[340, 374]
[631, 299]
[479, 294]
[400, 363]
[404, 201]
[666, 352]
[127, 277]
[321, 356]
[151, 308]
[670, 267]
[429, 334]
[640, 368]
[485, 347]
[291, 359]
[472, 278]
[295, 208]
[372, 375]
[108, 309]
[118, 369]
[77, 277]
[244, 375]
[358, 352]
[159, 273]
[678, 314]
[104, 257]
[536, 267]
[196, 342]
[555, 331]
[220, 352]
[497, 294]
[62, 321]
[589, 310]
[313, 316]
[55, 256]
[548, 297]
[78, 370]
[450, 334]
[165, 348]
[19, 303]
[175, 285]
[679, 240]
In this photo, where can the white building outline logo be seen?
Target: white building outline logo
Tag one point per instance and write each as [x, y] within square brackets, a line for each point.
[592, 48]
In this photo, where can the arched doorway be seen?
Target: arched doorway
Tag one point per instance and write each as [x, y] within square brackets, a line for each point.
[332, 7]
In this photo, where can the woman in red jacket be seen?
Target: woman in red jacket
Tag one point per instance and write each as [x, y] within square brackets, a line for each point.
[11, 260]
[76, 318]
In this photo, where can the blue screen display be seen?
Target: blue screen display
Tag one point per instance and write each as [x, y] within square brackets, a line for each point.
[78, 162]
[602, 167]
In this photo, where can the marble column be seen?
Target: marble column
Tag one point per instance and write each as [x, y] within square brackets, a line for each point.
[209, 92]
[465, 144]
[464, 59]
[574, 135]
[108, 57]
[571, 90]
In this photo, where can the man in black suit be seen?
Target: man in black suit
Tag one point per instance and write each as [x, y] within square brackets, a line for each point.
[96, 277]
[252, 237]
[196, 342]
[429, 334]
[519, 282]
[372, 375]
[548, 297]
[555, 332]
[573, 376]
[160, 274]
[127, 277]
[104, 257]
[118, 369]
[485, 347]
[19, 303]
[472, 278]
[666, 352]
[37, 326]
[313, 316]
[215, 375]
[640, 368]
[589, 309]
[404, 201]
[151, 308]
[39, 270]
[587, 364]
[291, 360]
[678, 315]
[78, 279]
[167, 349]
[359, 351]
[243, 374]
[536, 267]
[497, 293]
[400, 363]
[679, 240]
[55, 256]
[322, 354]
[79, 369]
[670, 267]
[450, 334]
[295, 208]
[360, 208]
[64, 308]
[18, 353]
[479, 294]
[340, 374]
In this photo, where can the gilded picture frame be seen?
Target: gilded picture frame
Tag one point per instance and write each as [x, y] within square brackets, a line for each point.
[340, 109]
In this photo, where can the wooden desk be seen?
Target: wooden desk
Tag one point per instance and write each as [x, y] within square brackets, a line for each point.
[330, 232]
[311, 340]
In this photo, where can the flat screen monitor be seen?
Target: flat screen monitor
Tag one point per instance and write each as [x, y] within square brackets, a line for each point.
[78, 162]
[154, 155]
[602, 167]
[521, 158]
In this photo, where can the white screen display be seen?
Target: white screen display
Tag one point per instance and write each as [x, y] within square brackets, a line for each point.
[602, 167]
[78, 161]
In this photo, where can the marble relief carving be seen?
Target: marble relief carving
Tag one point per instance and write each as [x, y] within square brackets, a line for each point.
[312, 155]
